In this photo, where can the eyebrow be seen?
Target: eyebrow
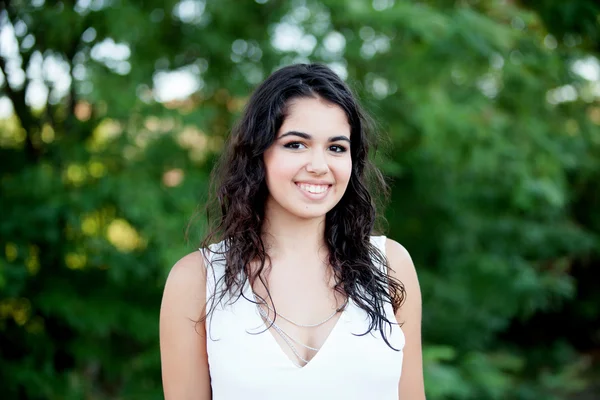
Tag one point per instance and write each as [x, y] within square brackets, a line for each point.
[306, 136]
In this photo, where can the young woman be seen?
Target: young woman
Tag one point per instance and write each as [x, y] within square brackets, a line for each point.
[296, 299]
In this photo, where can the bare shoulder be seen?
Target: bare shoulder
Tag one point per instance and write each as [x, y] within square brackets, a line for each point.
[401, 267]
[184, 361]
[400, 263]
[185, 288]
[188, 272]
[189, 266]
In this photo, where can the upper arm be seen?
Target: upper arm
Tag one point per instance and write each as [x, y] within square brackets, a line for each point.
[411, 384]
[184, 360]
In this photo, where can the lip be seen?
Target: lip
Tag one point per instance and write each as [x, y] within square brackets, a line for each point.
[314, 183]
[314, 196]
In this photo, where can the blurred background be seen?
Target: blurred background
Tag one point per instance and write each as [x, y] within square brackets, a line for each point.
[112, 113]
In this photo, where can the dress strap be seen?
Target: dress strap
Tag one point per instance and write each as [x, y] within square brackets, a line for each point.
[214, 259]
[379, 243]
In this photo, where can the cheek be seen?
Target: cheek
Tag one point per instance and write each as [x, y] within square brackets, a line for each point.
[278, 167]
[344, 170]
[277, 176]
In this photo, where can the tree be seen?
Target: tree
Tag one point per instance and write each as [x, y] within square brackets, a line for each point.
[492, 156]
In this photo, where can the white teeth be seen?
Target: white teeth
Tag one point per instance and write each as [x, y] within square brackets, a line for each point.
[314, 189]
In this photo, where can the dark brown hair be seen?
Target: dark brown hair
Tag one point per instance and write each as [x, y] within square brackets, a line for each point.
[236, 213]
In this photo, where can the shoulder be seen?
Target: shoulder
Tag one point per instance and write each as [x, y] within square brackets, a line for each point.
[185, 288]
[402, 268]
[400, 262]
[184, 360]
[188, 270]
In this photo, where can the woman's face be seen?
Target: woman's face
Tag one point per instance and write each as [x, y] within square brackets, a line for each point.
[309, 164]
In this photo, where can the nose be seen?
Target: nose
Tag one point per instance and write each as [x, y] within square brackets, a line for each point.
[317, 163]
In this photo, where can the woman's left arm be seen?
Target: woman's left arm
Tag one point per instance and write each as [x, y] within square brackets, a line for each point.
[411, 385]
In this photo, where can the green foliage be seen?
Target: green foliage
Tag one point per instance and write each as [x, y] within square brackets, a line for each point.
[493, 156]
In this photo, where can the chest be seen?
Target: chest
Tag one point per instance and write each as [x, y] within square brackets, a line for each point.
[244, 356]
[299, 312]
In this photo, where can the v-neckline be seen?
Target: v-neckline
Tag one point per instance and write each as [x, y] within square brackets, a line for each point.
[249, 292]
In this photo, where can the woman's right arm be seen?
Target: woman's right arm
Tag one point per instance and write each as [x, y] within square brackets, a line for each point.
[184, 360]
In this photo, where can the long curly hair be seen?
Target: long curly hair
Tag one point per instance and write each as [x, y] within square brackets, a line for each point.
[236, 212]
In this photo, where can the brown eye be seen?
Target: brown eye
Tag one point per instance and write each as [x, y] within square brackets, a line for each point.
[294, 146]
[336, 148]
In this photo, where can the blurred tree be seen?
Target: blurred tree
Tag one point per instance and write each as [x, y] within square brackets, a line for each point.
[120, 107]
[574, 27]
[571, 22]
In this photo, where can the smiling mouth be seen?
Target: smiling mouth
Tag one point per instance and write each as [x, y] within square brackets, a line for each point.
[313, 189]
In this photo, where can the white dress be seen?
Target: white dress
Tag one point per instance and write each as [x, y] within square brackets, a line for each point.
[246, 365]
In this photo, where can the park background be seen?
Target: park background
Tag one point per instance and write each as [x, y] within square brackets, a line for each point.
[113, 112]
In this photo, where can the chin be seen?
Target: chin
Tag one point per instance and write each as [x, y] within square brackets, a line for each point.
[308, 215]
[300, 209]
[311, 212]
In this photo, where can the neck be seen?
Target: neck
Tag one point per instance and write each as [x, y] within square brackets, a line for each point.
[287, 235]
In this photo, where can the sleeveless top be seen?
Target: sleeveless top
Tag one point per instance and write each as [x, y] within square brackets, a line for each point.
[246, 362]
